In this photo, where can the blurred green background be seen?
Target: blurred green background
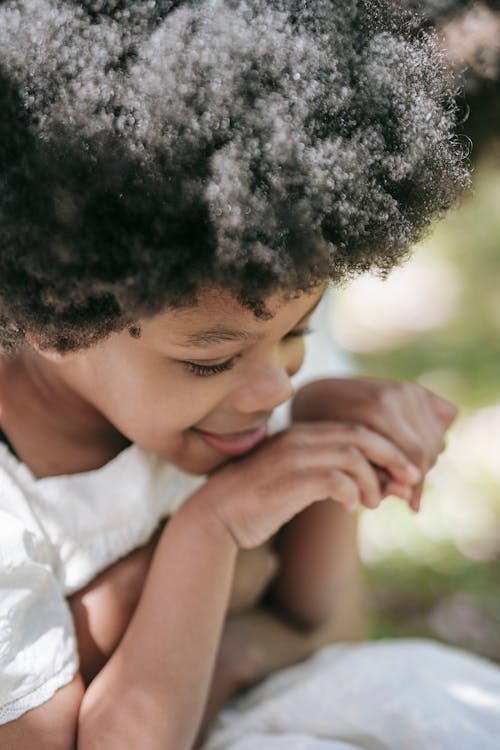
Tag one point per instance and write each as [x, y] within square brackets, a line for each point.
[437, 320]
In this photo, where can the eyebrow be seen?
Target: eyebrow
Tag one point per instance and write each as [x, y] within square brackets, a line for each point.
[216, 335]
[220, 334]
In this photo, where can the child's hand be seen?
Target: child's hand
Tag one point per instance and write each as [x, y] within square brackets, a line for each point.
[255, 496]
[409, 415]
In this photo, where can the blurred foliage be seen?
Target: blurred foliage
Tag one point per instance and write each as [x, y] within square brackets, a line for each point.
[453, 602]
[437, 589]
[469, 346]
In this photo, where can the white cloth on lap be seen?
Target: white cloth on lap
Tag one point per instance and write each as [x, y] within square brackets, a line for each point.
[384, 695]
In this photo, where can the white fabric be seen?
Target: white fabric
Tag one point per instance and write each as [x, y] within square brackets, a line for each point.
[56, 535]
[386, 695]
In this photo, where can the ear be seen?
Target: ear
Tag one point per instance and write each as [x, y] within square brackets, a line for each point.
[53, 355]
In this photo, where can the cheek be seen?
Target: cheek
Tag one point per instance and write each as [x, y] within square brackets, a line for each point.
[176, 404]
[296, 357]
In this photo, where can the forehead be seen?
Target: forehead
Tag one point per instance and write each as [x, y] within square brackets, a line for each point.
[218, 316]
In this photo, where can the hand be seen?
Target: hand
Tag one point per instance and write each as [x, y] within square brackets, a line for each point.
[412, 417]
[256, 495]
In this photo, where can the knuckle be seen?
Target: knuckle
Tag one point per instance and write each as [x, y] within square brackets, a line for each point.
[389, 392]
[354, 429]
[341, 482]
[411, 389]
[351, 454]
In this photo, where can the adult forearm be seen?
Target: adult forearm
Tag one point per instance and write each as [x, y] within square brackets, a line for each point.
[153, 689]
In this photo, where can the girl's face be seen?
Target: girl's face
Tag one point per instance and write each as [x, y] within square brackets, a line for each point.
[199, 384]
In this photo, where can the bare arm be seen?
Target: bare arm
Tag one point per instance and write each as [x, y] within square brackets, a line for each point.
[155, 685]
[319, 579]
[51, 726]
[168, 652]
[103, 609]
[318, 576]
[161, 671]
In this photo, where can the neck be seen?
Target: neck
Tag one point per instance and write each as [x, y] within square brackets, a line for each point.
[53, 429]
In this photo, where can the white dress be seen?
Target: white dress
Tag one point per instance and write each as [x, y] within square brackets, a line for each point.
[383, 695]
[56, 535]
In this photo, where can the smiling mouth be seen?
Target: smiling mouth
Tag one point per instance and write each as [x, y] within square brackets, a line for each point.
[234, 444]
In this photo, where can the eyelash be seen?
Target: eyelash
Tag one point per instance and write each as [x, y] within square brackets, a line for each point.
[207, 370]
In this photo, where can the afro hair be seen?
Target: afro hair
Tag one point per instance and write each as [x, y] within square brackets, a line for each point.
[469, 32]
[149, 149]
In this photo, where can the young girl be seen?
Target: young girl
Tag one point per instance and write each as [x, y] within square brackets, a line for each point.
[180, 182]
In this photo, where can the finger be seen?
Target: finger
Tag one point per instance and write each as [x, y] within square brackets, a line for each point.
[444, 410]
[436, 415]
[397, 489]
[416, 429]
[339, 487]
[383, 453]
[379, 450]
[416, 498]
[352, 461]
[348, 476]
[423, 433]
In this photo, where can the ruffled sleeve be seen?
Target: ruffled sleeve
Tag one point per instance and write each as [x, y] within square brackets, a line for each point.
[38, 652]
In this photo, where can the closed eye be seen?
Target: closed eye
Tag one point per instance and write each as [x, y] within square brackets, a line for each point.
[298, 333]
[206, 370]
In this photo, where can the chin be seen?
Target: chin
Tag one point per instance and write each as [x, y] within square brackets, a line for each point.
[200, 467]
[195, 463]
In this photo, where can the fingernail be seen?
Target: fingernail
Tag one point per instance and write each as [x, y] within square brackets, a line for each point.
[352, 507]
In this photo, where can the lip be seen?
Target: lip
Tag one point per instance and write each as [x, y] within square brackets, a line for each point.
[237, 443]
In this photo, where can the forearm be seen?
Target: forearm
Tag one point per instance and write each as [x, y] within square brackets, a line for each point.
[319, 576]
[153, 689]
[103, 609]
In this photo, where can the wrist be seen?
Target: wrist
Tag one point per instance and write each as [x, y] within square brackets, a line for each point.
[204, 509]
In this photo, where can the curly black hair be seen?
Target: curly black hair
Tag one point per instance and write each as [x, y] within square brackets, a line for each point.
[437, 10]
[150, 149]
[469, 31]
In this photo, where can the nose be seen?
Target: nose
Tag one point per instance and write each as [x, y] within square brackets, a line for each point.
[263, 390]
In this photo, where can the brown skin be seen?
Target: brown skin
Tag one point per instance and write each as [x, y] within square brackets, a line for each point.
[144, 390]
